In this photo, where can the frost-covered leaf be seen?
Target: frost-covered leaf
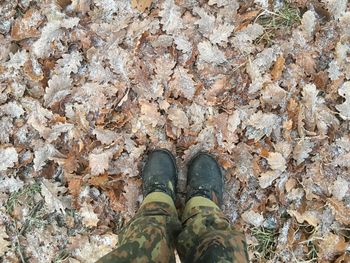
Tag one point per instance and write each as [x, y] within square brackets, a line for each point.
[183, 83]
[253, 218]
[149, 113]
[99, 161]
[90, 219]
[276, 161]
[340, 188]
[344, 109]
[261, 124]
[178, 118]
[267, 178]
[52, 192]
[171, 17]
[274, 95]
[308, 22]
[10, 184]
[182, 43]
[221, 34]
[69, 63]
[206, 22]
[301, 150]
[210, 53]
[336, 7]
[8, 158]
[105, 136]
[243, 40]
[43, 154]
[13, 109]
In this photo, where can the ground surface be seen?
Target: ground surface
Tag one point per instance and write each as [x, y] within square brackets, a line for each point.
[89, 86]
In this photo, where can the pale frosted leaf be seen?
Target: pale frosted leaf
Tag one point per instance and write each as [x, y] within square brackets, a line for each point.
[183, 83]
[243, 40]
[90, 219]
[56, 130]
[334, 70]
[5, 129]
[274, 95]
[182, 43]
[221, 34]
[105, 136]
[262, 3]
[171, 17]
[261, 124]
[342, 160]
[59, 86]
[69, 63]
[301, 150]
[206, 22]
[149, 113]
[52, 192]
[308, 22]
[220, 3]
[344, 109]
[178, 118]
[90, 249]
[233, 121]
[344, 24]
[340, 188]
[8, 158]
[43, 154]
[17, 60]
[267, 178]
[99, 162]
[276, 161]
[13, 109]
[253, 218]
[210, 53]
[10, 184]
[336, 7]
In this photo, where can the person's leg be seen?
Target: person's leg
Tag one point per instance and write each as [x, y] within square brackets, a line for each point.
[207, 235]
[150, 235]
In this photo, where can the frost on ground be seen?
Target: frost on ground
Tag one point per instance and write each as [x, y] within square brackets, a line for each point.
[87, 87]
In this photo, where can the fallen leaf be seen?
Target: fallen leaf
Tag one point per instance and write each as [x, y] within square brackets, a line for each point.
[141, 5]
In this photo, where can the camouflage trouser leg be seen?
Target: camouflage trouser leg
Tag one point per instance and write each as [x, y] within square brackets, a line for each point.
[150, 235]
[208, 236]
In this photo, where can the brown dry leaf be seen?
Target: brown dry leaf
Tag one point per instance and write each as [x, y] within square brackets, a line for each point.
[345, 258]
[278, 67]
[311, 217]
[63, 3]
[99, 181]
[341, 212]
[332, 245]
[26, 26]
[4, 244]
[141, 5]
[74, 186]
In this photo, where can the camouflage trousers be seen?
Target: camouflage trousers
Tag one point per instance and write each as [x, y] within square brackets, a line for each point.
[204, 235]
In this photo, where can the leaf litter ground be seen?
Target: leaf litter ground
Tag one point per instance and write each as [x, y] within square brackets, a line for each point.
[88, 87]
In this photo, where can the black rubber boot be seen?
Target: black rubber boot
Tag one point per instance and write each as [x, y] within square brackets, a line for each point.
[159, 173]
[204, 178]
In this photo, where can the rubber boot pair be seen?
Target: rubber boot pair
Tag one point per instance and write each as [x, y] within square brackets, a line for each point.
[204, 177]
